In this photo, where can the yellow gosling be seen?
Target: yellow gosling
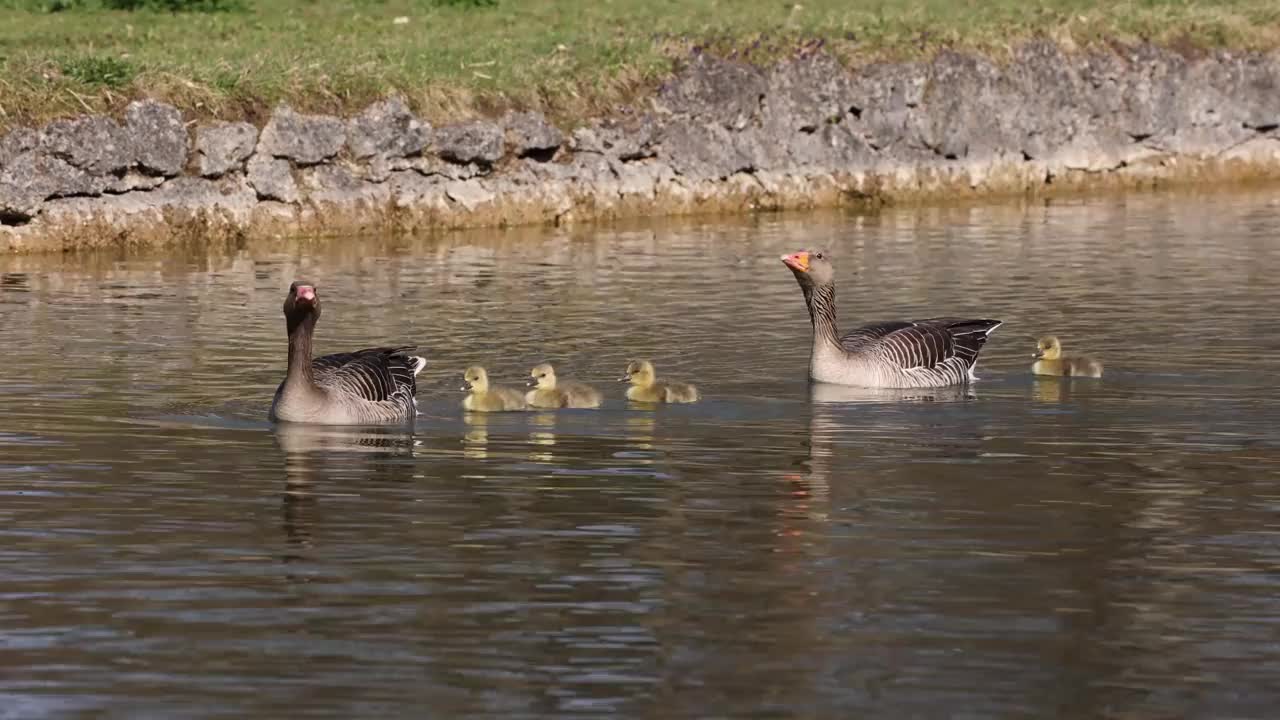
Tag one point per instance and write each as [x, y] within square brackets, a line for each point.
[488, 398]
[548, 392]
[1050, 361]
[646, 388]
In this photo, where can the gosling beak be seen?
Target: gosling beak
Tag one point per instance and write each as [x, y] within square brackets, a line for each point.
[1039, 354]
[625, 378]
[797, 261]
[531, 383]
[465, 387]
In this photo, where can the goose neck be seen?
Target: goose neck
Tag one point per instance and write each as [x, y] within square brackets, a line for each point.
[300, 351]
[822, 313]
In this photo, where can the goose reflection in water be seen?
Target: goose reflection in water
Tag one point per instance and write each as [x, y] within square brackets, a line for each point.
[812, 489]
[825, 393]
[297, 439]
[308, 448]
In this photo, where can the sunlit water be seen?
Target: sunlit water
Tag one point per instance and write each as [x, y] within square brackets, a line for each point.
[1025, 548]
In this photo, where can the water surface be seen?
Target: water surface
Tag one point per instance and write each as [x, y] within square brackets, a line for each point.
[1022, 548]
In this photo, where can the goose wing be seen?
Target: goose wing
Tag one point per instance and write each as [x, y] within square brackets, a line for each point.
[925, 344]
[857, 339]
[373, 374]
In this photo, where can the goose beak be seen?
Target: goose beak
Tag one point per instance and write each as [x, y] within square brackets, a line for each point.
[797, 261]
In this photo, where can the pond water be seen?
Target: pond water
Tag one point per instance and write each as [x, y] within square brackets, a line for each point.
[1023, 548]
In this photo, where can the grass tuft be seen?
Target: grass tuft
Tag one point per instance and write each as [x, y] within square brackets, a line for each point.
[99, 70]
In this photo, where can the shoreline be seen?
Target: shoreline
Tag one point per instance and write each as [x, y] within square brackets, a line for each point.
[718, 137]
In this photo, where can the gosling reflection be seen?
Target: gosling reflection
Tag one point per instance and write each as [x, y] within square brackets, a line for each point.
[475, 442]
[640, 430]
[542, 437]
[1050, 391]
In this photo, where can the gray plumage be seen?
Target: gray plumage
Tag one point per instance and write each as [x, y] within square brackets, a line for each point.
[374, 386]
[936, 352]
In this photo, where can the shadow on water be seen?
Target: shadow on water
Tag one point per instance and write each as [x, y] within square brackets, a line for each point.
[1023, 547]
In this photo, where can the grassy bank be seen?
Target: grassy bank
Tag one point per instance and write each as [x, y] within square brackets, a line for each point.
[457, 58]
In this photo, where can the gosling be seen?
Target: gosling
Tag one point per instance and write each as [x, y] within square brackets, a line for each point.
[646, 388]
[548, 393]
[1049, 361]
[488, 398]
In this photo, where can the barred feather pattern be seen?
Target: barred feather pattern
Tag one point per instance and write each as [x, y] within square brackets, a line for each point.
[380, 380]
[936, 352]
[366, 387]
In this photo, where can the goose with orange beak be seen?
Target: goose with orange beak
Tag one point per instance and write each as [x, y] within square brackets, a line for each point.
[937, 352]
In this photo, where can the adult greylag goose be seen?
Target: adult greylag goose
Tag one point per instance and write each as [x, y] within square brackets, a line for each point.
[374, 386]
[937, 352]
[548, 392]
[489, 398]
[646, 388]
[1050, 361]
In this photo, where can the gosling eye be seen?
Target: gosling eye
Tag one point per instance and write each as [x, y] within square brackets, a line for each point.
[819, 256]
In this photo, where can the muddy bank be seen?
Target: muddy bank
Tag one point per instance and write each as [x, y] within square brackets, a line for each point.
[719, 136]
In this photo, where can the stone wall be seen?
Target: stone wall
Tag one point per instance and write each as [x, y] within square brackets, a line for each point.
[718, 136]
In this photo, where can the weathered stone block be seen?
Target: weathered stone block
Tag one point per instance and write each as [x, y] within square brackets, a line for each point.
[476, 141]
[272, 179]
[303, 139]
[387, 129]
[33, 177]
[530, 135]
[701, 150]
[93, 143]
[720, 90]
[631, 139]
[159, 137]
[223, 148]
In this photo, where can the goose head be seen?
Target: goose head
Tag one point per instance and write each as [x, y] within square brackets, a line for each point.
[477, 380]
[301, 305]
[1048, 348]
[639, 373]
[811, 267]
[543, 377]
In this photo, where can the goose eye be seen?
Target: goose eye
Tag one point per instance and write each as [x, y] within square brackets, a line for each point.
[819, 256]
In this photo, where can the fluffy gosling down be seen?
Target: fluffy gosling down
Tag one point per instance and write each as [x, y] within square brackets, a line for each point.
[646, 388]
[548, 392]
[489, 398]
[1050, 361]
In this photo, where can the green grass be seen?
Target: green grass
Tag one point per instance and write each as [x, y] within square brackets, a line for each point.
[459, 58]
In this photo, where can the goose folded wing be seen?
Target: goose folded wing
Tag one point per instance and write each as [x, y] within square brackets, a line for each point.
[921, 344]
[858, 339]
[373, 374]
[929, 343]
